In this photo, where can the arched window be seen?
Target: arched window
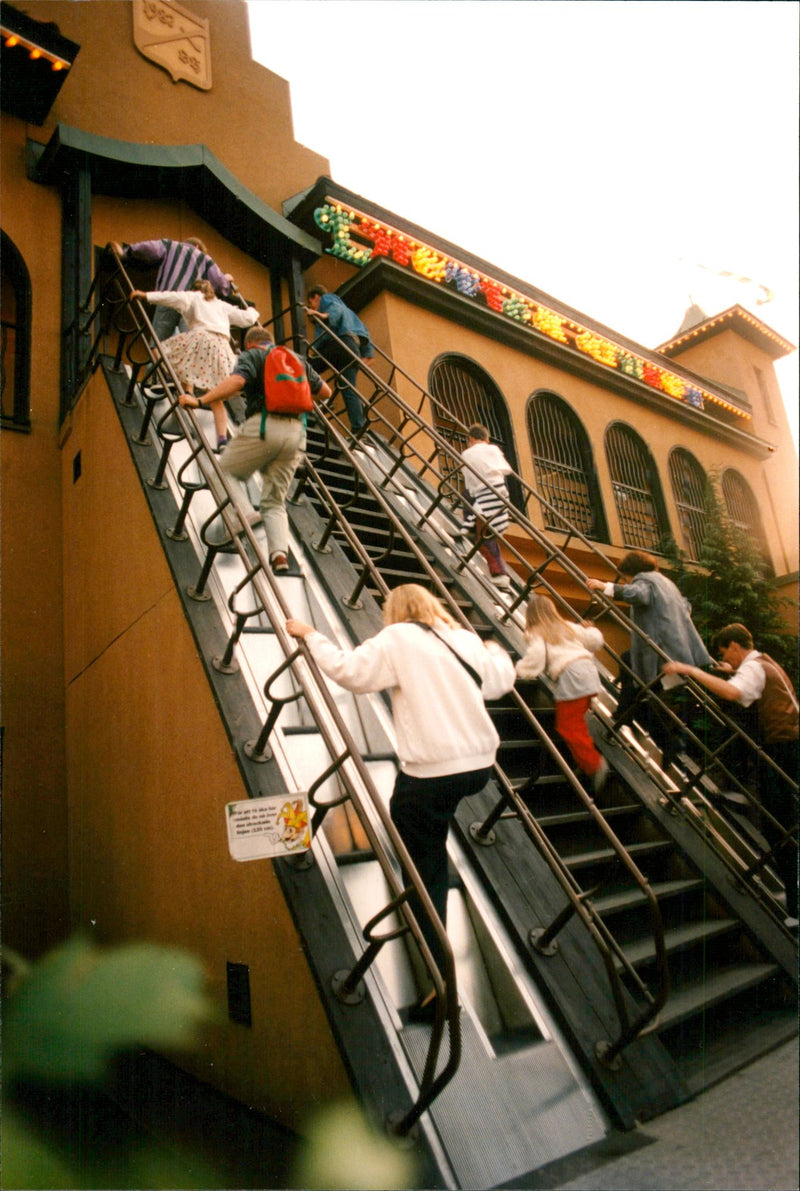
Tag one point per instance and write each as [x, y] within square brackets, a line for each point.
[15, 337]
[743, 509]
[637, 489]
[564, 467]
[466, 393]
[689, 490]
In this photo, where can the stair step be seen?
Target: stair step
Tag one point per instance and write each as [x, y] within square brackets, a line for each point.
[711, 990]
[629, 899]
[565, 818]
[602, 855]
[679, 938]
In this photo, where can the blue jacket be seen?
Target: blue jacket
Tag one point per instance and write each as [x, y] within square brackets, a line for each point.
[659, 609]
[343, 321]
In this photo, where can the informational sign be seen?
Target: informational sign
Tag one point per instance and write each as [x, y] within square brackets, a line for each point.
[260, 828]
[175, 39]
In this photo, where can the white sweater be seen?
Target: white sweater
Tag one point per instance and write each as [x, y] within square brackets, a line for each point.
[489, 462]
[441, 722]
[202, 314]
[541, 658]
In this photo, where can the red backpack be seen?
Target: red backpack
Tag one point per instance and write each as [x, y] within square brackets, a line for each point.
[286, 387]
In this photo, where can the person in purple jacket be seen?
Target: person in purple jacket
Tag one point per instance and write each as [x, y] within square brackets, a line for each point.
[180, 264]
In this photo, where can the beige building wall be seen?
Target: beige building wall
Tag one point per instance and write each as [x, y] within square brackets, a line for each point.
[735, 361]
[415, 338]
[150, 770]
[112, 91]
[245, 119]
[35, 902]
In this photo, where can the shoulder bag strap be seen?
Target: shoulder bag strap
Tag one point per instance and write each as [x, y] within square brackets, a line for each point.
[474, 675]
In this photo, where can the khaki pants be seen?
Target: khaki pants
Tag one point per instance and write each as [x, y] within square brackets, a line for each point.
[276, 457]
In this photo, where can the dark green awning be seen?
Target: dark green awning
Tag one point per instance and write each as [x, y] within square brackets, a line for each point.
[190, 173]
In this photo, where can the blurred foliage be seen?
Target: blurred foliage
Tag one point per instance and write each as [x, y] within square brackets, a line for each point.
[65, 1017]
[78, 1006]
[342, 1153]
[734, 585]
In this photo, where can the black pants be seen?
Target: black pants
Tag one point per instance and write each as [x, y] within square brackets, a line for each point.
[778, 799]
[422, 809]
[336, 357]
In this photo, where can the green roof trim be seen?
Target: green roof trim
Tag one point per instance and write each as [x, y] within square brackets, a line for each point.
[191, 173]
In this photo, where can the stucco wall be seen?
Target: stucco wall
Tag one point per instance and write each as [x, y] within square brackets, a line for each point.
[150, 769]
[35, 911]
[245, 119]
[418, 337]
[734, 360]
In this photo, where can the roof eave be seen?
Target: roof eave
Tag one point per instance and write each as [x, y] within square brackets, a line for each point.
[189, 172]
[384, 275]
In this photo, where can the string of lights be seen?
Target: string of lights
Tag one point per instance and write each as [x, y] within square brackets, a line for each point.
[343, 223]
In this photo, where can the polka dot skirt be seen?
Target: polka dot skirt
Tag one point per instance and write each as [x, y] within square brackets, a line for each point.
[200, 358]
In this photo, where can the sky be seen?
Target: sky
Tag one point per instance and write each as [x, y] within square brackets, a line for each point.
[617, 154]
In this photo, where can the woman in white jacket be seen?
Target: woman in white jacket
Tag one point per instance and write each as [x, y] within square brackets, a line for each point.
[563, 651]
[439, 676]
[202, 356]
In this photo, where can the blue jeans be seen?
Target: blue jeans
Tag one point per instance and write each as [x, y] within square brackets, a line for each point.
[347, 368]
[166, 321]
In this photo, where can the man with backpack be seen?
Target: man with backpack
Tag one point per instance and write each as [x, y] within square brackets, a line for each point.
[277, 387]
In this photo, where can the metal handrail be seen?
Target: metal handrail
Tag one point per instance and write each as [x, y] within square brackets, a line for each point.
[258, 574]
[350, 768]
[612, 955]
[384, 400]
[602, 938]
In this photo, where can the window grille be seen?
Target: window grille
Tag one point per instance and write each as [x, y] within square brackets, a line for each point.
[564, 468]
[467, 392]
[689, 490]
[15, 337]
[637, 491]
[743, 509]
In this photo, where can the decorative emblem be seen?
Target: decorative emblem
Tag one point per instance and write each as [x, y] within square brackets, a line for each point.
[175, 39]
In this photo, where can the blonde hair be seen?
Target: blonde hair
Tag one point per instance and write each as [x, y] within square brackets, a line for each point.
[542, 619]
[412, 602]
[205, 288]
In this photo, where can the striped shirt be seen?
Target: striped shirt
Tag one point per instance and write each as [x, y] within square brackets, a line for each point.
[179, 264]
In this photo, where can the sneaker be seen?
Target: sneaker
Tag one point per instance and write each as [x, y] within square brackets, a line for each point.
[600, 777]
[423, 1011]
[279, 563]
[790, 923]
[501, 581]
[222, 442]
[155, 392]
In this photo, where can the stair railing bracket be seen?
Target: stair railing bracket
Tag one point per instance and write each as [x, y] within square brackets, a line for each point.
[341, 990]
[534, 939]
[484, 838]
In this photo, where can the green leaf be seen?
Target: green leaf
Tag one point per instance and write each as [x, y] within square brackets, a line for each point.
[342, 1151]
[28, 1160]
[79, 1005]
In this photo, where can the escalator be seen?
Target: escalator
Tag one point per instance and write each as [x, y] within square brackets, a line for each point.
[610, 958]
[729, 968]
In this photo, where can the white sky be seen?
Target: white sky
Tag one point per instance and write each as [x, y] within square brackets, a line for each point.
[598, 149]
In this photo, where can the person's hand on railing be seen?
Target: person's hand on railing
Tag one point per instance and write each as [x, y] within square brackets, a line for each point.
[298, 628]
[139, 293]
